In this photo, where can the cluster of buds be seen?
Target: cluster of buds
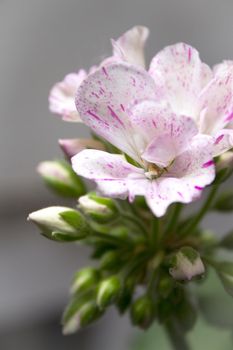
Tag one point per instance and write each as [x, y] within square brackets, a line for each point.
[132, 251]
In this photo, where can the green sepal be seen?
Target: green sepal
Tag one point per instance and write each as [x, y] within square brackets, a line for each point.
[75, 219]
[143, 312]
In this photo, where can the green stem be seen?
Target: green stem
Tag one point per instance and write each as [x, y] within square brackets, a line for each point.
[196, 220]
[155, 232]
[133, 219]
[154, 274]
[173, 219]
[176, 337]
[110, 239]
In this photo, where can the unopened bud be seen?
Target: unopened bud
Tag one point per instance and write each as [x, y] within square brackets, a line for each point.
[108, 291]
[85, 279]
[60, 177]
[142, 312]
[80, 315]
[60, 223]
[110, 261]
[165, 286]
[71, 147]
[186, 264]
[98, 208]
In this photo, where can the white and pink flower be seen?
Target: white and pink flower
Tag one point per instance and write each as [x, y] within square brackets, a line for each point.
[168, 122]
[172, 162]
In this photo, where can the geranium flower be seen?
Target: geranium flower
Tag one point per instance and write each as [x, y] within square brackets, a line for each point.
[193, 89]
[170, 161]
[129, 47]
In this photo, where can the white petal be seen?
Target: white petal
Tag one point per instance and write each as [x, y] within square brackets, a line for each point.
[216, 100]
[62, 96]
[165, 134]
[109, 171]
[223, 141]
[130, 46]
[186, 178]
[180, 76]
[104, 99]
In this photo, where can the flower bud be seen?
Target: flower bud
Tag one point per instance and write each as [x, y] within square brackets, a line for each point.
[186, 264]
[80, 315]
[70, 147]
[60, 177]
[165, 286]
[60, 223]
[84, 279]
[142, 312]
[110, 261]
[98, 208]
[108, 291]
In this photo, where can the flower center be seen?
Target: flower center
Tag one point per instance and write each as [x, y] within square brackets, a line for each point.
[154, 171]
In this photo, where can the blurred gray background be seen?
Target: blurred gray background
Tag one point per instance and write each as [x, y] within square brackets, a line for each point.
[40, 42]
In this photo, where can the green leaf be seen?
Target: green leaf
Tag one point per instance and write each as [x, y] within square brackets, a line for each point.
[216, 306]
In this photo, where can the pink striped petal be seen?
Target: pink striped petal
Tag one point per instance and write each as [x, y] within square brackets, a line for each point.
[109, 171]
[165, 135]
[216, 100]
[104, 99]
[186, 178]
[223, 141]
[180, 76]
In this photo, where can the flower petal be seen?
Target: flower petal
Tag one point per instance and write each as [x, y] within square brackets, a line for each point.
[62, 96]
[104, 98]
[130, 46]
[180, 76]
[109, 171]
[223, 141]
[191, 172]
[216, 100]
[70, 147]
[165, 134]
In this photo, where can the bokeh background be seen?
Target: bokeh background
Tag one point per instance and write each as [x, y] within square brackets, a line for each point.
[40, 42]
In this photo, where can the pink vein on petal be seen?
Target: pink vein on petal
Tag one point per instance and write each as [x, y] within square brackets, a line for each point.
[199, 188]
[207, 164]
[229, 117]
[218, 139]
[115, 116]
